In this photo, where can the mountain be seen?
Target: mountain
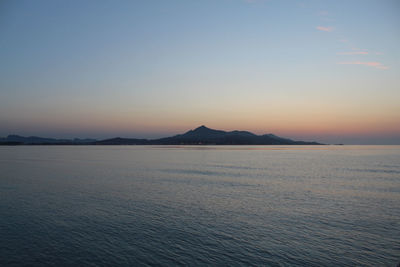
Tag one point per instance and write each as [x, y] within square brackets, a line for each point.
[199, 136]
[206, 136]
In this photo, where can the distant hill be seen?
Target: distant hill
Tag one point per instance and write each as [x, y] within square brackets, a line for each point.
[34, 140]
[123, 141]
[199, 136]
[206, 136]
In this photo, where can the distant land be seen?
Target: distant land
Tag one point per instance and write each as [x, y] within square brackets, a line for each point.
[199, 136]
[34, 140]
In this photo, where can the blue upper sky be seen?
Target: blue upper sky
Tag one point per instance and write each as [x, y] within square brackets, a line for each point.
[314, 70]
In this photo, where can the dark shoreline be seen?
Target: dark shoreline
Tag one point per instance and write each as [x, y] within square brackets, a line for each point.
[197, 145]
[199, 136]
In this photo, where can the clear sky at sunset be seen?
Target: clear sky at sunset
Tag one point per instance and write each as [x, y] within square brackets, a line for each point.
[311, 70]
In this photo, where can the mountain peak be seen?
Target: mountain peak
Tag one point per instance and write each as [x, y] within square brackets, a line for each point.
[205, 130]
[202, 132]
[202, 127]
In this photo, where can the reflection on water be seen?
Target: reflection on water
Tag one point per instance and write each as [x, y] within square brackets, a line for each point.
[169, 205]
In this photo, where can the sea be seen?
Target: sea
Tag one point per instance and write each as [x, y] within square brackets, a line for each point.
[199, 205]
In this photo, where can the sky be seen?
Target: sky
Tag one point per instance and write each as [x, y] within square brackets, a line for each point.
[327, 71]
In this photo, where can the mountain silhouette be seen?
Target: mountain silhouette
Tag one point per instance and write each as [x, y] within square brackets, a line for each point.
[199, 136]
[206, 136]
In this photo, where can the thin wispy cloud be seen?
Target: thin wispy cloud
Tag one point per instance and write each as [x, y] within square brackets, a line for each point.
[325, 29]
[374, 64]
[353, 53]
[354, 50]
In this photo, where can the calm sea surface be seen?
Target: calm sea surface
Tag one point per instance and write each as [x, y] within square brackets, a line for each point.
[224, 205]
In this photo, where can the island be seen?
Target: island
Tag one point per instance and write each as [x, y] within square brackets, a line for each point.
[200, 136]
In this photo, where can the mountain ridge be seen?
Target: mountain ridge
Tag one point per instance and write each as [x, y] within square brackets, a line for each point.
[201, 135]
